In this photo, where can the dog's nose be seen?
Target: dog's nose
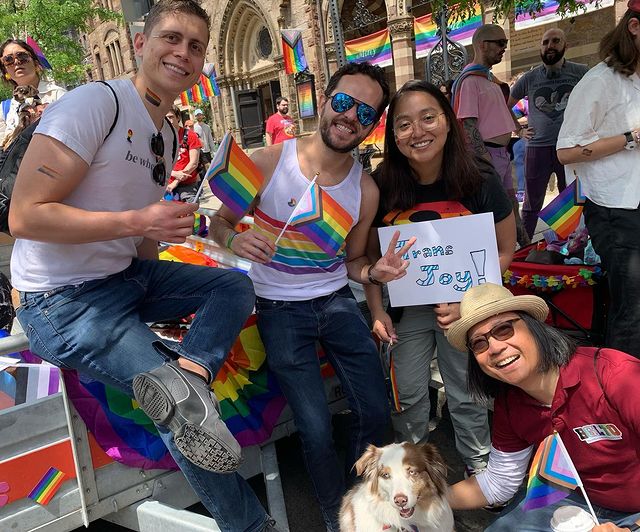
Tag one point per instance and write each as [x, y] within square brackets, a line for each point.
[400, 500]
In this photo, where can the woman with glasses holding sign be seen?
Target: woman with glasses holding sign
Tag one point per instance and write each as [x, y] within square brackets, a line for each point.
[20, 66]
[427, 173]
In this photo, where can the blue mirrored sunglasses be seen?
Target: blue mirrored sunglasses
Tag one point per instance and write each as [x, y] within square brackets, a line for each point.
[341, 103]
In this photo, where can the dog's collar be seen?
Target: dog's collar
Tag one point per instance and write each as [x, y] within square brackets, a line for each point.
[413, 528]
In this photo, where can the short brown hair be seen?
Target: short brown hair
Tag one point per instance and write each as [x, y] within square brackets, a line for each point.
[172, 7]
[618, 49]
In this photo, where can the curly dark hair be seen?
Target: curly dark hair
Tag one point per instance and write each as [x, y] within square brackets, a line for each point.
[459, 171]
[618, 49]
[171, 7]
[555, 347]
[367, 69]
[27, 48]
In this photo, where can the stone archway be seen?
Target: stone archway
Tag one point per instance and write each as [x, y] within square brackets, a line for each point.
[249, 57]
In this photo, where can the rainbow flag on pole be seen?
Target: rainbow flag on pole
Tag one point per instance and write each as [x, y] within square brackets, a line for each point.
[461, 29]
[552, 476]
[375, 48]
[562, 214]
[233, 177]
[293, 51]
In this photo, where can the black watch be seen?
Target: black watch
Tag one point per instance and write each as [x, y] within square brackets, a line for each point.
[631, 141]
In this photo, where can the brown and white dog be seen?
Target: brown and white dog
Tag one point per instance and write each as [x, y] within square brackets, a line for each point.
[404, 489]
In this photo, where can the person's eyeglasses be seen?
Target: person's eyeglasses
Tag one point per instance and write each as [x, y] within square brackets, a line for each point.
[502, 331]
[502, 43]
[159, 170]
[17, 58]
[341, 103]
[404, 128]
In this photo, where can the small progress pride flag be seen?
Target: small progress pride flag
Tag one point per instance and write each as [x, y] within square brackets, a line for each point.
[233, 176]
[374, 48]
[47, 487]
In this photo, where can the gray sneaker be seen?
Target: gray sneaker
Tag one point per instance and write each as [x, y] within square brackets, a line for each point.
[186, 405]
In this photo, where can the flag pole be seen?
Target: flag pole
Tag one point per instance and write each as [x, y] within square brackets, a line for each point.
[297, 208]
[575, 472]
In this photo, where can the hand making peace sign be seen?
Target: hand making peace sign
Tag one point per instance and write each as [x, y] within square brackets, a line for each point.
[391, 265]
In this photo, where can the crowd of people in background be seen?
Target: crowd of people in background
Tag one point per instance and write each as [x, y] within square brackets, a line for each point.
[88, 218]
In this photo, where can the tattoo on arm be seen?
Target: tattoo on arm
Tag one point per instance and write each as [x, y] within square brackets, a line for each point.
[473, 136]
[152, 98]
[587, 152]
[49, 172]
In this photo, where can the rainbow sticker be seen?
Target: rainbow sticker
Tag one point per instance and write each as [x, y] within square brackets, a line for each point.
[47, 487]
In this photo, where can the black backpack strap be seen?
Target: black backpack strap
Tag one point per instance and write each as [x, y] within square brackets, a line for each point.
[115, 97]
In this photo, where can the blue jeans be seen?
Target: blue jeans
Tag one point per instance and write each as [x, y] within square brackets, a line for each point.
[513, 517]
[290, 331]
[99, 328]
[519, 149]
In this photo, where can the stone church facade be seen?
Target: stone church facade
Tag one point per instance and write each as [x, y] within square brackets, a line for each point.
[246, 49]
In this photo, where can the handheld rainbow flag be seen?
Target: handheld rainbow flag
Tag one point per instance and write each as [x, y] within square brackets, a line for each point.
[44, 490]
[293, 51]
[562, 214]
[321, 219]
[233, 177]
[43, 60]
[374, 48]
[552, 476]
[307, 209]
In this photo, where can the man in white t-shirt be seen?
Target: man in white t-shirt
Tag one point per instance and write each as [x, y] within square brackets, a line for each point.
[600, 142]
[203, 131]
[87, 215]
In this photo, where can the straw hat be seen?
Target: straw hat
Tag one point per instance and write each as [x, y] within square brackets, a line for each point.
[487, 300]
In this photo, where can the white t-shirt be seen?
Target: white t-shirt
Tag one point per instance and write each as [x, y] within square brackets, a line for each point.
[604, 104]
[48, 91]
[118, 179]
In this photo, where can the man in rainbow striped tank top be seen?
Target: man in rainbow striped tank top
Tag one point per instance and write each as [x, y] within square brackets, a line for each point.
[312, 220]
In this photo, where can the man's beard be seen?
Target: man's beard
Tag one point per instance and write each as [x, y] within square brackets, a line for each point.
[326, 138]
[552, 57]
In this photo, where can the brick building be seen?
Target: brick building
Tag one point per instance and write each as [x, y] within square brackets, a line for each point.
[246, 50]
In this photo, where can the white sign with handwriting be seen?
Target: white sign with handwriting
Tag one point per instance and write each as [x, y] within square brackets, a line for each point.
[449, 257]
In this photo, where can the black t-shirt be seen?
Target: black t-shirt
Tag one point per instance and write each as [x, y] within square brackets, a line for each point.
[432, 203]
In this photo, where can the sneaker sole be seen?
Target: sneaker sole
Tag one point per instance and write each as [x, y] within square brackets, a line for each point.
[205, 450]
[196, 444]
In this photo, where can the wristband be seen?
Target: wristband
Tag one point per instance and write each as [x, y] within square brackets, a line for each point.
[370, 277]
[230, 240]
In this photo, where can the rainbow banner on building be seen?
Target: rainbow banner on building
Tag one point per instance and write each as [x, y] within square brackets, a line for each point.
[44, 490]
[562, 214]
[233, 176]
[293, 51]
[375, 48]
[461, 29]
[204, 89]
[549, 13]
